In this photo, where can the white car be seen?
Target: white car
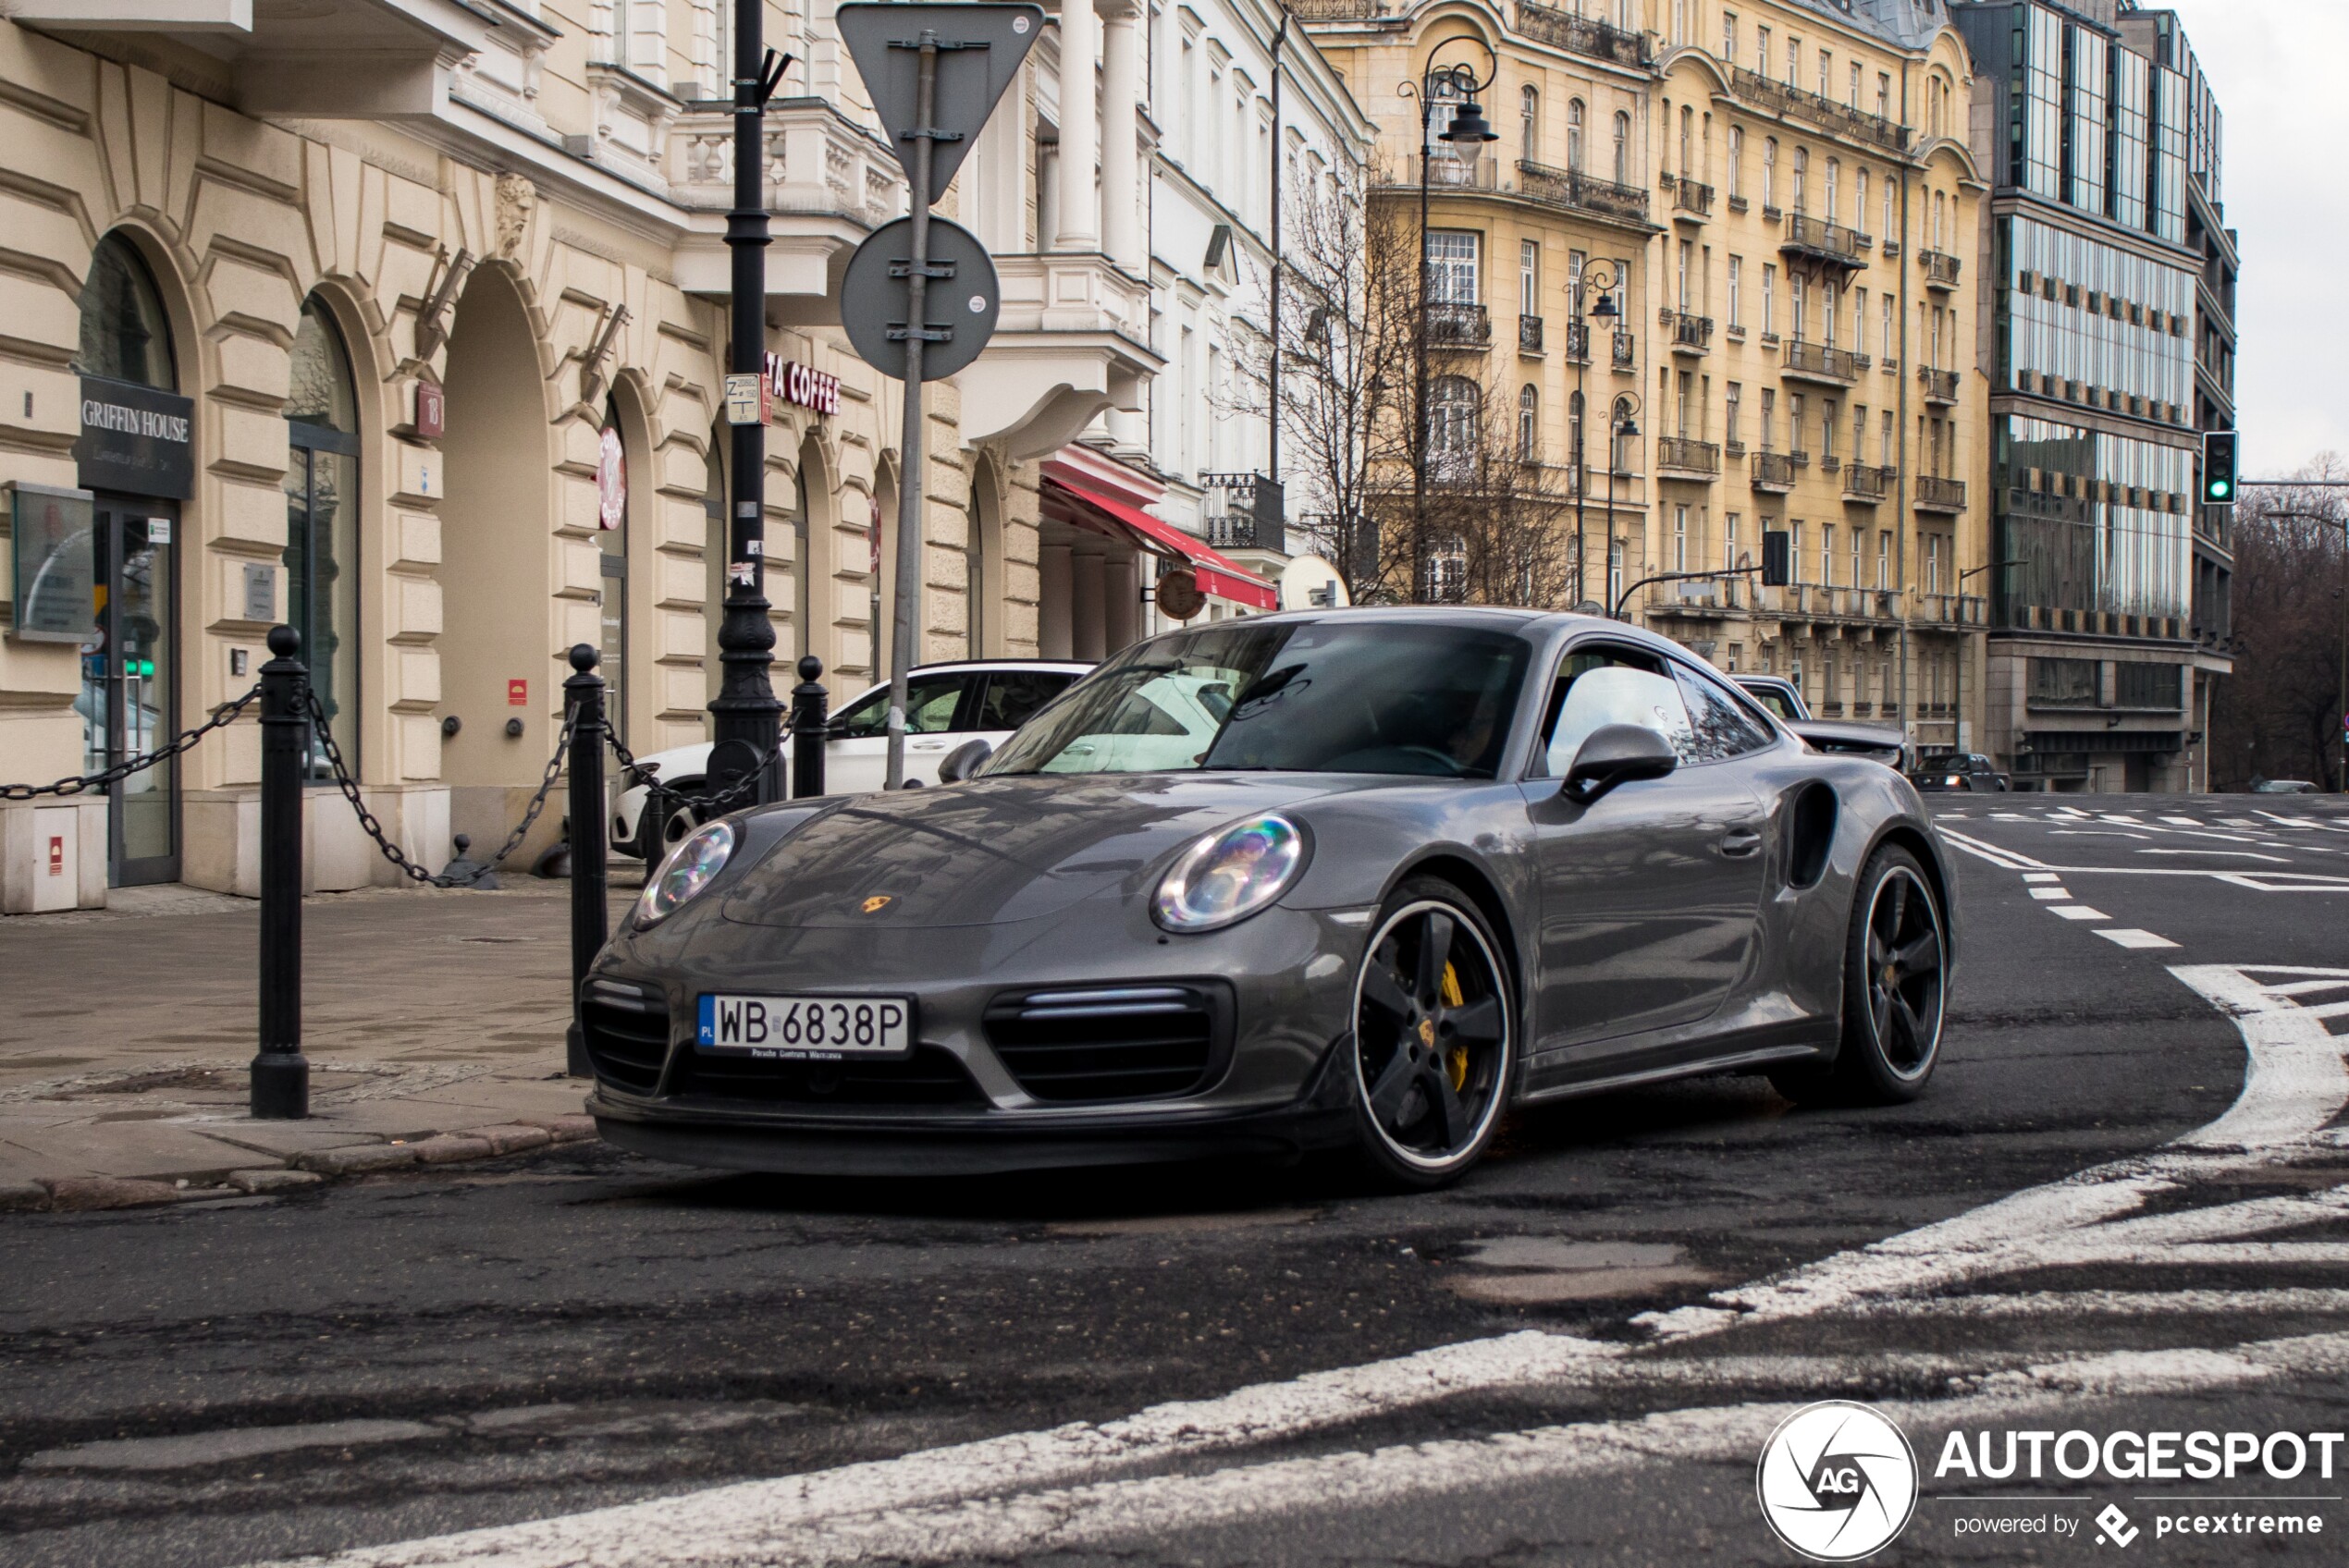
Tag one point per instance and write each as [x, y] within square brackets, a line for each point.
[946, 706]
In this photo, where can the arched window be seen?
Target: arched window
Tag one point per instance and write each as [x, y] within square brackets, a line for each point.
[1574, 154]
[1835, 180]
[1529, 424]
[1574, 430]
[1770, 172]
[1860, 198]
[125, 335]
[1737, 161]
[1451, 410]
[1622, 148]
[322, 524]
[1528, 113]
[1803, 179]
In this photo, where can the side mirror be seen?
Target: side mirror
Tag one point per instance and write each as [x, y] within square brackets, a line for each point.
[963, 761]
[1617, 754]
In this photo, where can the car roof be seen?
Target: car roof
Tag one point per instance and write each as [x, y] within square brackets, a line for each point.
[1078, 665]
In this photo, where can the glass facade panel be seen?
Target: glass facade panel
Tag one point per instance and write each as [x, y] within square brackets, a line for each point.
[2170, 133]
[2132, 127]
[2090, 72]
[2040, 150]
[2087, 516]
[2106, 325]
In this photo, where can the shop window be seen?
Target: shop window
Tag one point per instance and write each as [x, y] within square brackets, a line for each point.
[322, 525]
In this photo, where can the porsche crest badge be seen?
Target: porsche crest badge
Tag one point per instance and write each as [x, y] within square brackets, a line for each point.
[876, 903]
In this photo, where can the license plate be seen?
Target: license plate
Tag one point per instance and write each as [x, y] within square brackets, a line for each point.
[806, 1028]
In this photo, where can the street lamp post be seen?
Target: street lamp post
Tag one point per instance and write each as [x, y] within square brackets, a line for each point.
[1582, 314]
[1468, 131]
[1957, 697]
[1620, 426]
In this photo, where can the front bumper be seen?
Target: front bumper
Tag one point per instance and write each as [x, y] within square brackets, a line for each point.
[1283, 979]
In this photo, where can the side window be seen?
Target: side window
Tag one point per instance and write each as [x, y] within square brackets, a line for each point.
[1013, 695]
[1719, 725]
[930, 702]
[1602, 686]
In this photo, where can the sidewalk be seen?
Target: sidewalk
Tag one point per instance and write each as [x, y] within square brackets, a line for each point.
[433, 1020]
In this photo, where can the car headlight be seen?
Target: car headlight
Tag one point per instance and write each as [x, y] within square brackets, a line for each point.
[691, 868]
[1230, 874]
[1952, 781]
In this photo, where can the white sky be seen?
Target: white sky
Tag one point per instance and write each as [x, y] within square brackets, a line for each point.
[2276, 66]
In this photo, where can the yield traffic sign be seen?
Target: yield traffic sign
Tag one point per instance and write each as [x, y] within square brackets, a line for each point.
[979, 50]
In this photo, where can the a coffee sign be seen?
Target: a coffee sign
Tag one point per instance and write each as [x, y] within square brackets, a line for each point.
[803, 384]
[136, 439]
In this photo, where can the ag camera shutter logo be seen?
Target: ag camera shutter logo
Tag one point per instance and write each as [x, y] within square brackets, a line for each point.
[1837, 1481]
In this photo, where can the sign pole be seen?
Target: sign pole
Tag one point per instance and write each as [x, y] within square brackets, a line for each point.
[909, 488]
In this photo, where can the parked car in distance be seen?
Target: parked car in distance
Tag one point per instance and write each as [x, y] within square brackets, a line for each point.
[2282, 787]
[1966, 771]
[947, 705]
[1784, 698]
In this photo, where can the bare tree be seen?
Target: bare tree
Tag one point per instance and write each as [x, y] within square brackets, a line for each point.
[1496, 507]
[2279, 716]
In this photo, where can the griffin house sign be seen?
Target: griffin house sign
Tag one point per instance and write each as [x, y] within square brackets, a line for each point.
[136, 440]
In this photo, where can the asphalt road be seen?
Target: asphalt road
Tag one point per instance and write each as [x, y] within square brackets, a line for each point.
[2026, 1247]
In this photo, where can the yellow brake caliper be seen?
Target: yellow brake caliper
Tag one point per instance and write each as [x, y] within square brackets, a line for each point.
[1453, 998]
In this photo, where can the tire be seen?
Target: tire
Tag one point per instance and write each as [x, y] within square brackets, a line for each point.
[653, 838]
[1895, 1007]
[1434, 1043]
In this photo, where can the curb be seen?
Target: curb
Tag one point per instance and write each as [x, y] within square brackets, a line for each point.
[77, 1195]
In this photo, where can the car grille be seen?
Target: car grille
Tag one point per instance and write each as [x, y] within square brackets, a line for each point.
[930, 1076]
[1134, 1042]
[626, 1035]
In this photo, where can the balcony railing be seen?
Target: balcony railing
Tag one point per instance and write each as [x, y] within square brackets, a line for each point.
[1626, 349]
[1245, 511]
[1785, 98]
[1938, 494]
[1452, 325]
[1581, 35]
[1863, 482]
[1578, 341]
[1941, 386]
[1581, 192]
[1690, 200]
[816, 161]
[1940, 268]
[1529, 335]
[1682, 455]
[1952, 609]
[1336, 10]
[1822, 240]
[1816, 362]
[1690, 334]
[1771, 471]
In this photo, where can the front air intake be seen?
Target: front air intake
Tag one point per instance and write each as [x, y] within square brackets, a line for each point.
[1120, 1043]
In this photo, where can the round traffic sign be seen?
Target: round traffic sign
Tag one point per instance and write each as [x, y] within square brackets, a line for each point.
[963, 302]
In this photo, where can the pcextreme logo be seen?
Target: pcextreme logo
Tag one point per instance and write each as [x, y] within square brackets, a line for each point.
[1837, 1481]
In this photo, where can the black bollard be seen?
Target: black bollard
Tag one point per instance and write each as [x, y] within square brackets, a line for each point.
[583, 695]
[809, 723]
[280, 1088]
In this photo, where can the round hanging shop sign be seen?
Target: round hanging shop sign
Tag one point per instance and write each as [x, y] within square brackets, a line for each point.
[611, 480]
[1178, 593]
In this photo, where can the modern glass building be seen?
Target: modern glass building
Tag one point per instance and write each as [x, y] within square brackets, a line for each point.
[2105, 578]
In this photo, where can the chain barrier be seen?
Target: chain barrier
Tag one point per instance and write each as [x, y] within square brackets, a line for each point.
[223, 715]
[392, 852]
[660, 798]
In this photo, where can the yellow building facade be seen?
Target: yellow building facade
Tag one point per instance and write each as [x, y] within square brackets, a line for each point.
[1789, 184]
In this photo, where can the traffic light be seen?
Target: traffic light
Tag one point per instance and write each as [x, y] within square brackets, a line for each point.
[2218, 468]
[1778, 559]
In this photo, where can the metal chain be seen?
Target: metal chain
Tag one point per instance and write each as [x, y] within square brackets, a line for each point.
[392, 852]
[715, 804]
[224, 714]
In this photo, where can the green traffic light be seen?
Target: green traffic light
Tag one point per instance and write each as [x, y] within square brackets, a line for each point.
[2221, 489]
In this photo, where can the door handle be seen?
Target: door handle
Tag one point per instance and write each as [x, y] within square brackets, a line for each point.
[1741, 843]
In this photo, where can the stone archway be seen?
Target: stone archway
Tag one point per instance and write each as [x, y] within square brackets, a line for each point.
[498, 562]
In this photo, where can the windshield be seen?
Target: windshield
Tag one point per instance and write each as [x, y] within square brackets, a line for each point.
[1324, 697]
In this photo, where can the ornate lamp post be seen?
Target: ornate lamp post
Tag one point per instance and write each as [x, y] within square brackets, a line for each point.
[1468, 131]
[1606, 276]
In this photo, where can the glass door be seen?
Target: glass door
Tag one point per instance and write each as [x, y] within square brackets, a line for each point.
[130, 684]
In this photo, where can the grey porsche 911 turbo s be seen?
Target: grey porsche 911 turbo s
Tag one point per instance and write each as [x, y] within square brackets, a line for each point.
[1362, 879]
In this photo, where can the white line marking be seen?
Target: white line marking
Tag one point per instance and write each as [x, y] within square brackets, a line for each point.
[2236, 854]
[2039, 876]
[2182, 821]
[2130, 936]
[2066, 1304]
[2049, 895]
[2078, 912]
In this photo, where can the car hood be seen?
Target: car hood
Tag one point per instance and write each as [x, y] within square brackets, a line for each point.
[996, 850]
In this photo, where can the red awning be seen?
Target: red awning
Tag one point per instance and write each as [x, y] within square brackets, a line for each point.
[1218, 575]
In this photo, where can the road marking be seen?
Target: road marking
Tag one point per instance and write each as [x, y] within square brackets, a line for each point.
[2039, 876]
[2130, 936]
[2049, 895]
[2078, 912]
[2068, 1304]
[2235, 854]
[2182, 821]
[951, 1503]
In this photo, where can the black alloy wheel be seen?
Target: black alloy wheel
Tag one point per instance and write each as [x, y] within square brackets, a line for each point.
[1895, 991]
[1434, 1037]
